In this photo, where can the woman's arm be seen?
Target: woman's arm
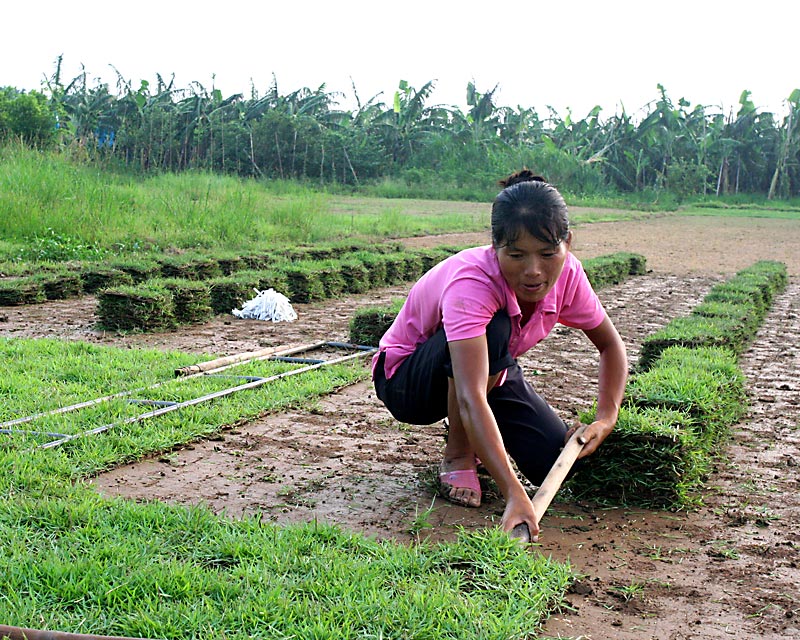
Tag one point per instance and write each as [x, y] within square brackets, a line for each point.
[470, 379]
[611, 385]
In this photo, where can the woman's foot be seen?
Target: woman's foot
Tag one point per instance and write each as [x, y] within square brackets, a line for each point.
[458, 481]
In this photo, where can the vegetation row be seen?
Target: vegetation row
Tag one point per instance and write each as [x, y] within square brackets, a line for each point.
[687, 392]
[368, 325]
[668, 145]
[164, 291]
[166, 302]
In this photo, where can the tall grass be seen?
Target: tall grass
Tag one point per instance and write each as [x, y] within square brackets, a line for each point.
[54, 208]
[50, 202]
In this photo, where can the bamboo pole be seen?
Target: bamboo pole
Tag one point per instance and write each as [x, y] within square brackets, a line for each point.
[194, 401]
[551, 483]
[238, 358]
[197, 370]
[21, 633]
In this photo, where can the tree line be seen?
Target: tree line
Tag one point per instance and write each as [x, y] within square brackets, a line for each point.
[672, 146]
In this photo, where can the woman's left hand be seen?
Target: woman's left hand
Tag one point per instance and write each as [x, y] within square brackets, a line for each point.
[591, 436]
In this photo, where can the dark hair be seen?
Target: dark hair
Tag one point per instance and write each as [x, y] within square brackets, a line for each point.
[528, 202]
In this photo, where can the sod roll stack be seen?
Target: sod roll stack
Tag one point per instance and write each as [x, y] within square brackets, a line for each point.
[688, 392]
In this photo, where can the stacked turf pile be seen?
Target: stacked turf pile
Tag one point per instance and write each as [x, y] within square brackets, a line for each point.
[614, 268]
[728, 316]
[303, 275]
[139, 269]
[20, 290]
[687, 394]
[369, 324]
[60, 285]
[232, 291]
[190, 267]
[96, 277]
[144, 307]
[191, 299]
[16, 287]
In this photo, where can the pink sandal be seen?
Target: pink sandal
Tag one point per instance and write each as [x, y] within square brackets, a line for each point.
[459, 479]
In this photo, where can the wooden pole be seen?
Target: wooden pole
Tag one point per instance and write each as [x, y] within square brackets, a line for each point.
[551, 483]
[218, 363]
[21, 633]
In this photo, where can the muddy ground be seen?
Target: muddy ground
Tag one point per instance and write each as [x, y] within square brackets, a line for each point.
[726, 570]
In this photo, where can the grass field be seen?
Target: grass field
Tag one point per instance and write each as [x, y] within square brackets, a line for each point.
[74, 561]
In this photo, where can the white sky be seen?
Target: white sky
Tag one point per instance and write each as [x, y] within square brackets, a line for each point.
[565, 54]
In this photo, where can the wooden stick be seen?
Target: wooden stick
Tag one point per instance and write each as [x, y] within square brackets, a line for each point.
[21, 633]
[218, 363]
[551, 484]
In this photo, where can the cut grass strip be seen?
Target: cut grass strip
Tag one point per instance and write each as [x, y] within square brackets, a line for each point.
[74, 561]
[18, 291]
[688, 375]
[651, 459]
[128, 308]
[114, 567]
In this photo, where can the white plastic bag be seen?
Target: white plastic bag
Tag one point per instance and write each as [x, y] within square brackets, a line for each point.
[267, 305]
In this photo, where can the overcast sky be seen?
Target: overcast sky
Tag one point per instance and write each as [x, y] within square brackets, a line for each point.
[564, 54]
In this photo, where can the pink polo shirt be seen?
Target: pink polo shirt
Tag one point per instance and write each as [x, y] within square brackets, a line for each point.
[463, 292]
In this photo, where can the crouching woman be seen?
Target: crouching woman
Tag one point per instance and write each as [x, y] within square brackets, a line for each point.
[451, 352]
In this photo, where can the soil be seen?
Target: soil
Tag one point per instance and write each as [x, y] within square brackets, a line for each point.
[726, 570]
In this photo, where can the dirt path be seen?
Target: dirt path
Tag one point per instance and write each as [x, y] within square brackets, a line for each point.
[728, 570]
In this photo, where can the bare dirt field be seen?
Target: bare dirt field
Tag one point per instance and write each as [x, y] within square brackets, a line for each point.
[726, 570]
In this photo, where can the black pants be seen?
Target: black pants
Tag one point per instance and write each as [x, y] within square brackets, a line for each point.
[532, 433]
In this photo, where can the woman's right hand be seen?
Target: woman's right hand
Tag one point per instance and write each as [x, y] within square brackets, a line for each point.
[519, 509]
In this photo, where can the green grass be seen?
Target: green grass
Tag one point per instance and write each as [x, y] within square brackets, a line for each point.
[114, 567]
[54, 209]
[72, 560]
[780, 210]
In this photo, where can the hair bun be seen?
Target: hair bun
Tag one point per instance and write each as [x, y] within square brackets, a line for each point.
[525, 175]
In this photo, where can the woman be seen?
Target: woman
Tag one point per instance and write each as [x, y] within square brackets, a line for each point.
[451, 352]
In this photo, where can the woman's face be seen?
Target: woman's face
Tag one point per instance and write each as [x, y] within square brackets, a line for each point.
[531, 266]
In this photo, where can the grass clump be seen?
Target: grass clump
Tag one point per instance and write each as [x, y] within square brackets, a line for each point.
[728, 317]
[689, 384]
[96, 277]
[652, 459]
[694, 331]
[18, 291]
[368, 325]
[231, 292]
[675, 414]
[189, 267]
[614, 268]
[139, 269]
[705, 383]
[191, 299]
[60, 284]
[144, 307]
[306, 281]
[155, 570]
